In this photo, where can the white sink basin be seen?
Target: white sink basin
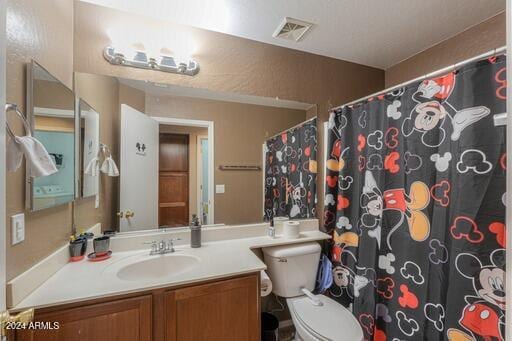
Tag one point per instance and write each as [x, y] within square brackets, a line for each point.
[158, 267]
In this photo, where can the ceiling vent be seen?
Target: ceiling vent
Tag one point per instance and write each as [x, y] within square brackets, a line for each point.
[292, 29]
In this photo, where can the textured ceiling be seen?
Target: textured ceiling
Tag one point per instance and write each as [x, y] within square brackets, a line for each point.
[379, 33]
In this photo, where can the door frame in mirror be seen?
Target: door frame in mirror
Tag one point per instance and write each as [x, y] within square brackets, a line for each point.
[199, 182]
[211, 159]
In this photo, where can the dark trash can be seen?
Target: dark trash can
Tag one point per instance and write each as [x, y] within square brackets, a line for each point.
[269, 327]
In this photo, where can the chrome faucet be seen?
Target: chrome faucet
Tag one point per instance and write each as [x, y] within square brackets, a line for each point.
[162, 247]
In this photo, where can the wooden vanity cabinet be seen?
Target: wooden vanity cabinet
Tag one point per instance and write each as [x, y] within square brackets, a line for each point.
[222, 311]
[227, 309]
[126, 319]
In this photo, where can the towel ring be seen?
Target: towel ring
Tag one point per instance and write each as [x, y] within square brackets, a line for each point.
[14, 107]
[105, 150]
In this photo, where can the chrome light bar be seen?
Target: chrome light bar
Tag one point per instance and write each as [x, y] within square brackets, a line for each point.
[141, 60]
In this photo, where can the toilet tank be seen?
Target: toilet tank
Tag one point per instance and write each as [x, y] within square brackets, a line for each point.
[292, 267]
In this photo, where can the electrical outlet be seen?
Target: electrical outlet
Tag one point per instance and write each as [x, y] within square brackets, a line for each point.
[18, 228]
[220, 189]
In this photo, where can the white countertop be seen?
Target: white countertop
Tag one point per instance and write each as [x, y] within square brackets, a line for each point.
[85, 280]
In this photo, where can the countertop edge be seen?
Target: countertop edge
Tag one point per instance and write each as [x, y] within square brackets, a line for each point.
[251, 244]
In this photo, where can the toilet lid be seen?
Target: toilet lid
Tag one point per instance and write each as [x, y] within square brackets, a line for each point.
[331, 321]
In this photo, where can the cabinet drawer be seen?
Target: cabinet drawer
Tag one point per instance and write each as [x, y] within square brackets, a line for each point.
[122, 320]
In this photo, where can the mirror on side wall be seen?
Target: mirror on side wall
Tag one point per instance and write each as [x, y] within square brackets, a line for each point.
[89, 146]
[226, 158]
[51, 113]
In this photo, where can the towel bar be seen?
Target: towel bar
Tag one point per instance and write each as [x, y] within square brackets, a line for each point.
[239, 168]
[14, 107]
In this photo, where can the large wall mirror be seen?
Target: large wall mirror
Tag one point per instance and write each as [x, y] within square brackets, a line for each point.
[51, 113]
[226, 158]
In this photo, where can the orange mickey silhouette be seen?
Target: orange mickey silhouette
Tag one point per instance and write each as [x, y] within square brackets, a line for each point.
[411, 206]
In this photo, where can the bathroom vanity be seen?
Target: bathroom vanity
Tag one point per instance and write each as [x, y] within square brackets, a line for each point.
[225, 309]
[206, 293]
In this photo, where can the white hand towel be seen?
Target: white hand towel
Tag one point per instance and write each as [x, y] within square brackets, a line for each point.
[93, 167]
[109, 167]
[39, 162]
[14, 154]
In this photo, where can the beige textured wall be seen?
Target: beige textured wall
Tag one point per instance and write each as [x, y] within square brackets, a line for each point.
[476, 40]
[132, 97]
[52, 95]
[40, 30]
[239, 132]
[229, 64]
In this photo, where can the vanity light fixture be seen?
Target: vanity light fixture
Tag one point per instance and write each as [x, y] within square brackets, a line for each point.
[140, 59]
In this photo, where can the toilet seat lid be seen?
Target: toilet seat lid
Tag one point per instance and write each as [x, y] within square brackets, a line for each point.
[331, 321]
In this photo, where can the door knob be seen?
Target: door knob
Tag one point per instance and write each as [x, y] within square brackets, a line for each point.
[24, 317]
[129, 214]
[120, 214]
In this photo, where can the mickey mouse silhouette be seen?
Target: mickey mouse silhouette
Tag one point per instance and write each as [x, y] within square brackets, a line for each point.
[484, 315]
[372, 203]
[429, 115]
[410, 206]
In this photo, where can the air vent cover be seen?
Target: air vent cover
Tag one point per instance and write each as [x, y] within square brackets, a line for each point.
[292, 29]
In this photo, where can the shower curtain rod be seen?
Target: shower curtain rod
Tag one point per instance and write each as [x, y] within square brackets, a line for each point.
[295, 126]
[428, 75]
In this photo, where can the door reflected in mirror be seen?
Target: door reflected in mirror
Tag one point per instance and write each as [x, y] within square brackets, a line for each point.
[51, 111]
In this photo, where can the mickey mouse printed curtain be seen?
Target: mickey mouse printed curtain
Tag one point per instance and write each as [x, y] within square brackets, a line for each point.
[290, 173]
[415, 200]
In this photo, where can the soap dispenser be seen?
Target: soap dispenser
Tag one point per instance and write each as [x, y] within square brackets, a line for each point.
[195, 232]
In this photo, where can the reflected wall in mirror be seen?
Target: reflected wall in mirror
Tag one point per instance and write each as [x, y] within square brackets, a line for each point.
[51, 112]
[174, 146]
[89, 144]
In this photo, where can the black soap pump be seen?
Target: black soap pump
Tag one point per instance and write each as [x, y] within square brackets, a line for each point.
[195, 232]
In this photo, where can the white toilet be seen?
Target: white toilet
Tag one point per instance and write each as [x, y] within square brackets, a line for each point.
[293, 268]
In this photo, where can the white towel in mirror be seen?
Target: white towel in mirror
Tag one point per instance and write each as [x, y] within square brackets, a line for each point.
[109, 167]
[93, 167]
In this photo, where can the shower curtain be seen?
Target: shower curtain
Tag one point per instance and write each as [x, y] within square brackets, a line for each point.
[415, 200]
[290, 173]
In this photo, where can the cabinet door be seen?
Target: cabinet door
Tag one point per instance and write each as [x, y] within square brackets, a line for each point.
[122, 320]
[220, 311]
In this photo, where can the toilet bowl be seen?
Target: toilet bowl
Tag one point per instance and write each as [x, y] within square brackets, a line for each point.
[330, 321]
[292, 270]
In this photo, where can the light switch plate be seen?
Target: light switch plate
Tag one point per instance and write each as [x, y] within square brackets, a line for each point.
[18, 228]
[220, 189]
